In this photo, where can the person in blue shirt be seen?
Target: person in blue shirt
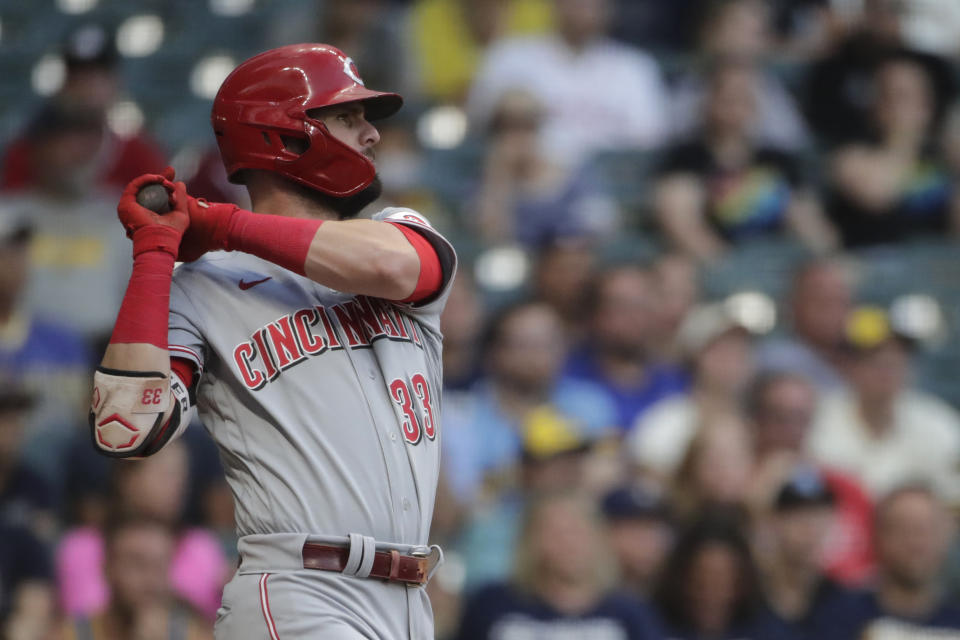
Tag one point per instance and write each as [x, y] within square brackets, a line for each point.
[48, 358]
[523, 351]
[562, 583]
[616, 352]
[911, 537]
[555, 458]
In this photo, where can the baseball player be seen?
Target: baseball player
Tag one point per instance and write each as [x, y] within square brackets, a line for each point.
[309, 342]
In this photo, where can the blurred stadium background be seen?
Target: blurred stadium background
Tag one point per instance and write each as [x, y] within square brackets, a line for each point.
[701, 358]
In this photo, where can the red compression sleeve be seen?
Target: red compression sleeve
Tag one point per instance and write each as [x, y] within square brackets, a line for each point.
[431, 274]
[145, 311]
[183, 368]
[282, 241]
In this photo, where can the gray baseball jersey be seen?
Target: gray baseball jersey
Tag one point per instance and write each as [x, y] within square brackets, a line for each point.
[325, 408]
[324, 405]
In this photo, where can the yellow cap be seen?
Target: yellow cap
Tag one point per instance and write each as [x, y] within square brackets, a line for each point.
[547, 433]
[868, 327]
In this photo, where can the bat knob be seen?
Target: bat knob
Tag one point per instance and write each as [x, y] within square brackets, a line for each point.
[155, 198]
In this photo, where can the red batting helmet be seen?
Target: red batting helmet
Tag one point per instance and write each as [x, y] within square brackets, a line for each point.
[267, 98]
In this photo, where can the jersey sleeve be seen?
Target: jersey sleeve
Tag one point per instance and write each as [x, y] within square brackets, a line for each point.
[184, 337]
[427, 310]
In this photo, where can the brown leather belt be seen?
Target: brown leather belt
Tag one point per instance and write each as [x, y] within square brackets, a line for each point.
[387, 565]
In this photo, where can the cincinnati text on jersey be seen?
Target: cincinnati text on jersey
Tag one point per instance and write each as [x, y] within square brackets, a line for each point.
[291, 339]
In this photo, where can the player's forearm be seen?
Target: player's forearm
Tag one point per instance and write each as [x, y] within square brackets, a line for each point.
[139, 338]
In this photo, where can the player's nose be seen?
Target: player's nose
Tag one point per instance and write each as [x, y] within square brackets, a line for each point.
[369, 136]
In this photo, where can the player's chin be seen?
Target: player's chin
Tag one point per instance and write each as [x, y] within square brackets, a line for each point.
[351, 206]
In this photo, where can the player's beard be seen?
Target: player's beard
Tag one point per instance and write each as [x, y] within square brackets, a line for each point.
[350, 206]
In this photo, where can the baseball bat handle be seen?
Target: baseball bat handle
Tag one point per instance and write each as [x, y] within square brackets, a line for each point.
[155, 198]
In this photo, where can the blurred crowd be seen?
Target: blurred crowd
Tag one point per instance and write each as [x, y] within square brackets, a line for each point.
[700, 356]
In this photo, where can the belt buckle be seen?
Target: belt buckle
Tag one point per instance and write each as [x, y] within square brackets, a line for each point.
[433, 554]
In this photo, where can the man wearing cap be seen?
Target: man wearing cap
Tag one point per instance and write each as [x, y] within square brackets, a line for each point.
[882, 431]
[553, 458]
[799, 595]
[780, 408]
[718, 349]
[91, 86]
[639, 526]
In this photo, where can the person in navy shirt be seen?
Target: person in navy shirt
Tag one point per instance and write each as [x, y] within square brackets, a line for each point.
[616, 353]
[709, 588]
[911, 535]
[800, 598]
[562, 584]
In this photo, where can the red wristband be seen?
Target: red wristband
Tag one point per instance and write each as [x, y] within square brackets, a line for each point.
[156, 237]
[144, 313]
[277, 239]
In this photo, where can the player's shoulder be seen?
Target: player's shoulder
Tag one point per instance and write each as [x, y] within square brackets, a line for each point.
[217, 266]
[402, 215]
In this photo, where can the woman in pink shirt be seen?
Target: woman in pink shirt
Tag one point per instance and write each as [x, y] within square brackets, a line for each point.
[154, 487]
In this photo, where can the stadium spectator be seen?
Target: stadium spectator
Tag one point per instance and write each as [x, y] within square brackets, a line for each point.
[817, 309]
[615, 354]
[663, 27]
[461, 323]
[890, 185]
[723, 188]
[451, 36]
[138, 555]
[101, 158]
[598, 93]
[525, 195]
[882, 431]
[523, 352]
[640, 534]
[562, 583]
[26, 591]
[714, 473]
[804, 28]
[49, 360]
[153, 488]
[78, 260]
[912, 533]
[561, 278]
[839, 93]
[718, 351]
[709, 587]
[370, 30]
[26, 498]
[555, 458]
[800, 598]
[781, 408]
[678, 285]
[740, 30]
